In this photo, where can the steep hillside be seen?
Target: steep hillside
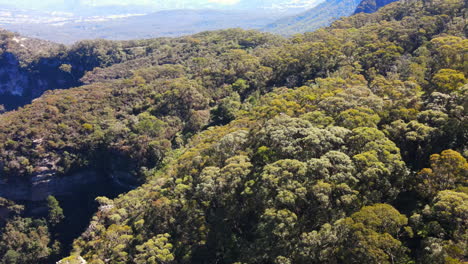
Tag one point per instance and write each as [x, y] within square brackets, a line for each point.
[370, 6]
[24, 66]
[320, 16]
[29, 67]
[343, 145]
[167, 96]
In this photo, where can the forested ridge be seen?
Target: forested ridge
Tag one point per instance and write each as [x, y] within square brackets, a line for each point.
[370, 6]
[343, 145]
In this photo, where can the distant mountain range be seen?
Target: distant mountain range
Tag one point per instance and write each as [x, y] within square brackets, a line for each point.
[285, 5]
[85, 19]
[152, 6]
[322, 15]
[170, 23]
[69, 21]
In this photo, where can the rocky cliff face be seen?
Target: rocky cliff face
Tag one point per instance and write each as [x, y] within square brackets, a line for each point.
[12, 79]
[28, 67]
[39, 186]
[46, 183]
[19, 85]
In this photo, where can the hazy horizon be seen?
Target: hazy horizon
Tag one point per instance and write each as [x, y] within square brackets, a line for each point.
[69, 21]
[155, 5]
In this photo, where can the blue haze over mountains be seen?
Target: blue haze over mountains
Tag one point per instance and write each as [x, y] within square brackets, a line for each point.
[69, 21]
[157, 5]
[73, 20]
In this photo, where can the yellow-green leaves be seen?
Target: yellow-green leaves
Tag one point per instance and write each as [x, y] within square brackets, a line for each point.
[448, 80]
[448, 171]
[156, 250]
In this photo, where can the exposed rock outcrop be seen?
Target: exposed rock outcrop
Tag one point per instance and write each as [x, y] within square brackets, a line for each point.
[41, 185]
[73, 260]
[19, 83]
[28, 68]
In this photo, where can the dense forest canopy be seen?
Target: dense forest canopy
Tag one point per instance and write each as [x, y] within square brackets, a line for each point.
[370, 6]
[343, 145]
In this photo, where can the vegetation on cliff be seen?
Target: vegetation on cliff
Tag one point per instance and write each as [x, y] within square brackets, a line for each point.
[370, 6]
[344, 145]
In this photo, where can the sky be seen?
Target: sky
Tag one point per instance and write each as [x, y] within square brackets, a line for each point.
[54, 5]
[164, 3]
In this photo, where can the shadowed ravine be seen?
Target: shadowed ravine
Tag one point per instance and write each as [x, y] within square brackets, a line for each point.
[80, 206]
[76, 194]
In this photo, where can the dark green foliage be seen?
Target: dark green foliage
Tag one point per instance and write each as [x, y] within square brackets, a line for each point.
[24, 240]
[135, 119]
[226, 111]
[257, 149]
[371, 6]
[55, 215]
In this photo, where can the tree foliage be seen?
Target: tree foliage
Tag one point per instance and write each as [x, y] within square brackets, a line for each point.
[252, 148]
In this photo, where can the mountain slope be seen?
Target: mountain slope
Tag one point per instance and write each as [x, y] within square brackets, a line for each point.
[320, 16]
[371, 6]
[29, 67]
[343, 145]
[167, 63]
[301, 174]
